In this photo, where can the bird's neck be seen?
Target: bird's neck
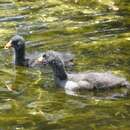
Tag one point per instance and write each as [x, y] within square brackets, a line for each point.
[19, 56]
[60, 73]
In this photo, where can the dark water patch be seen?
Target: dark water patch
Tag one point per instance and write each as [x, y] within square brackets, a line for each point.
[123, 13]
[25, 10]
[6, 5]
[13, 18]
[105, 32]
[25, 29]
[5, 2]
[80, 16]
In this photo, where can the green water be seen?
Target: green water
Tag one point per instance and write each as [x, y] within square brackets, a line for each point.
[96, 31]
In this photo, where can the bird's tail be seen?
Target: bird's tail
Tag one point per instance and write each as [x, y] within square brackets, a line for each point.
[126, 84]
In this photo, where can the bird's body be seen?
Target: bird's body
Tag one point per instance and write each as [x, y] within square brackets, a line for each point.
[92, 80]
[84, 80]
[20, 58]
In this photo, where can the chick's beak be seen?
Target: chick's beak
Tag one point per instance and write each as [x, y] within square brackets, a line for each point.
[8, 45]
[40, 60]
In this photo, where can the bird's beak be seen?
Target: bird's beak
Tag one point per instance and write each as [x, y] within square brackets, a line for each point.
[8, 45]
[40, 60]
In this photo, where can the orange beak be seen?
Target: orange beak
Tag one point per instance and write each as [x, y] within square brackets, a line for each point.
[8, 45]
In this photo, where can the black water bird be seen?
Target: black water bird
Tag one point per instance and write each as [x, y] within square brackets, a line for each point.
[84, 80]
[18, 43]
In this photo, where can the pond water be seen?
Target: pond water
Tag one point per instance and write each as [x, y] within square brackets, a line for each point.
[96, 31]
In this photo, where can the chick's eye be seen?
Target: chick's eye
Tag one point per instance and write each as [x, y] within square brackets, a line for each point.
[14, 42]
[44, 56]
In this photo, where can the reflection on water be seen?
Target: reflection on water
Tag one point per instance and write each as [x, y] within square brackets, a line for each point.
[97, 32]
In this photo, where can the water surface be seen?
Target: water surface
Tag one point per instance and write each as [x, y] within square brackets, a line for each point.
[97, 32]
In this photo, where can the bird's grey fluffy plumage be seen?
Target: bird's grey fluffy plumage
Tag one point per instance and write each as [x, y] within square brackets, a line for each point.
[85, 80]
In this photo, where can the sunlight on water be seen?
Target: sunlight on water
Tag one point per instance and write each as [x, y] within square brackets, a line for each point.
[96, 31]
